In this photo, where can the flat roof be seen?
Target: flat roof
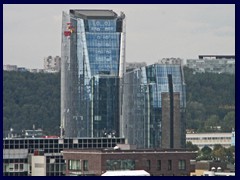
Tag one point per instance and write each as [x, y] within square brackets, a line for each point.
[217, 56]
[126, 173]
[130, 151]
[94, 13]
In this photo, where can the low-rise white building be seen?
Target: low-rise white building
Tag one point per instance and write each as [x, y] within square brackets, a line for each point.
[211, 139]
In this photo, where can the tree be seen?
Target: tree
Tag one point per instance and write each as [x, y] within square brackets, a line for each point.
[206, 153]
[230, 154]
[228, 122]
[191, 146]
[219, 153]
[211, 123]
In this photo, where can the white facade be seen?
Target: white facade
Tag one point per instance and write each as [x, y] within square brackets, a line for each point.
[52, 64]
[210, 139]
[38, 166]
[15, 166]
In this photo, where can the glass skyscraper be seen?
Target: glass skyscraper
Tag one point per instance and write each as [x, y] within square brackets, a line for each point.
[93, 58]
[154, 105]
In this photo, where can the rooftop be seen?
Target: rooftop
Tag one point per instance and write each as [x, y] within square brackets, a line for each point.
[93, 13]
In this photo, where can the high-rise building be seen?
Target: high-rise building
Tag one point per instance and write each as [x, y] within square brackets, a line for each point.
[92, 65]
[52, 64]
[154, 106]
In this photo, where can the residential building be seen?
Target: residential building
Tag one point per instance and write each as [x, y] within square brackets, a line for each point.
[156, 162]
[153, 108]
[92, 66]
[52, 64]
[212, 63]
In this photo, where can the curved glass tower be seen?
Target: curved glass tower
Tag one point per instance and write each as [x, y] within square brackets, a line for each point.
[93, 60]
[154, 105]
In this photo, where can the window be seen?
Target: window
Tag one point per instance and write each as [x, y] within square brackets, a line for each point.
[85, 165]
[126, 164]
[74, 165]
[159, 165]
[182, 164]
[148, 164]
[16, 167]
[21, 167]
[169, 165]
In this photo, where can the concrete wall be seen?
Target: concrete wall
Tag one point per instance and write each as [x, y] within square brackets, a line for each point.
[38, 166]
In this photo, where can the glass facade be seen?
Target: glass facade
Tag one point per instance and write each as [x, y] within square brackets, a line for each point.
[93, 46]
[154, 106]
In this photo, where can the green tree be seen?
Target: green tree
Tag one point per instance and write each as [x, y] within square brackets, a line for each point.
[191, 146]
[228, 122]
[219, 153]
[206, 153]
[212, 123]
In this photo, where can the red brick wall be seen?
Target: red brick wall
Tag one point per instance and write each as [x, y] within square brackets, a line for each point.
[97, 161]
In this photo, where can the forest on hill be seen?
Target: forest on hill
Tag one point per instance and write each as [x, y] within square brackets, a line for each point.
[210, 101]
[31, 99]
[34, 99]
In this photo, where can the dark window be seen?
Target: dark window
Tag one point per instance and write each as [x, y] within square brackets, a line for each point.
[159, 165]
[21, 167]
[148, 164]
[85, 165]
[182, 164]
[16, 167]
[169, 165]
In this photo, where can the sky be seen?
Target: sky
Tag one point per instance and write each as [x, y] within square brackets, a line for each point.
[153, 31]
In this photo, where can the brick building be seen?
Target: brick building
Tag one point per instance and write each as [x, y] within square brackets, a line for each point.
[156, 162]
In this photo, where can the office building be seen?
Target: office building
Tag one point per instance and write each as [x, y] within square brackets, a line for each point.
[134, 65]
[93, 57]
[155, 162]
[42, 156]
[154, 105]
[211, 139]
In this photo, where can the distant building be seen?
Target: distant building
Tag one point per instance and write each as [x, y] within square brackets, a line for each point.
[22, 69]
[36, 70]
[174, 162]
[33, 133]
[212, 63]
[10, 67]
[52, 64]
[211, 139]
[154, 106]
[42, 156]
[134, 65]
[211, 168]
[233, 138]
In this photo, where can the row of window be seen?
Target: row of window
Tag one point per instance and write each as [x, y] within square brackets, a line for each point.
[208, 138]
[181, 165]
[126, 164]
[12, 167]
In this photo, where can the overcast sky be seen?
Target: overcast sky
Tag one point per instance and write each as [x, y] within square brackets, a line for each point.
[32, 32]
